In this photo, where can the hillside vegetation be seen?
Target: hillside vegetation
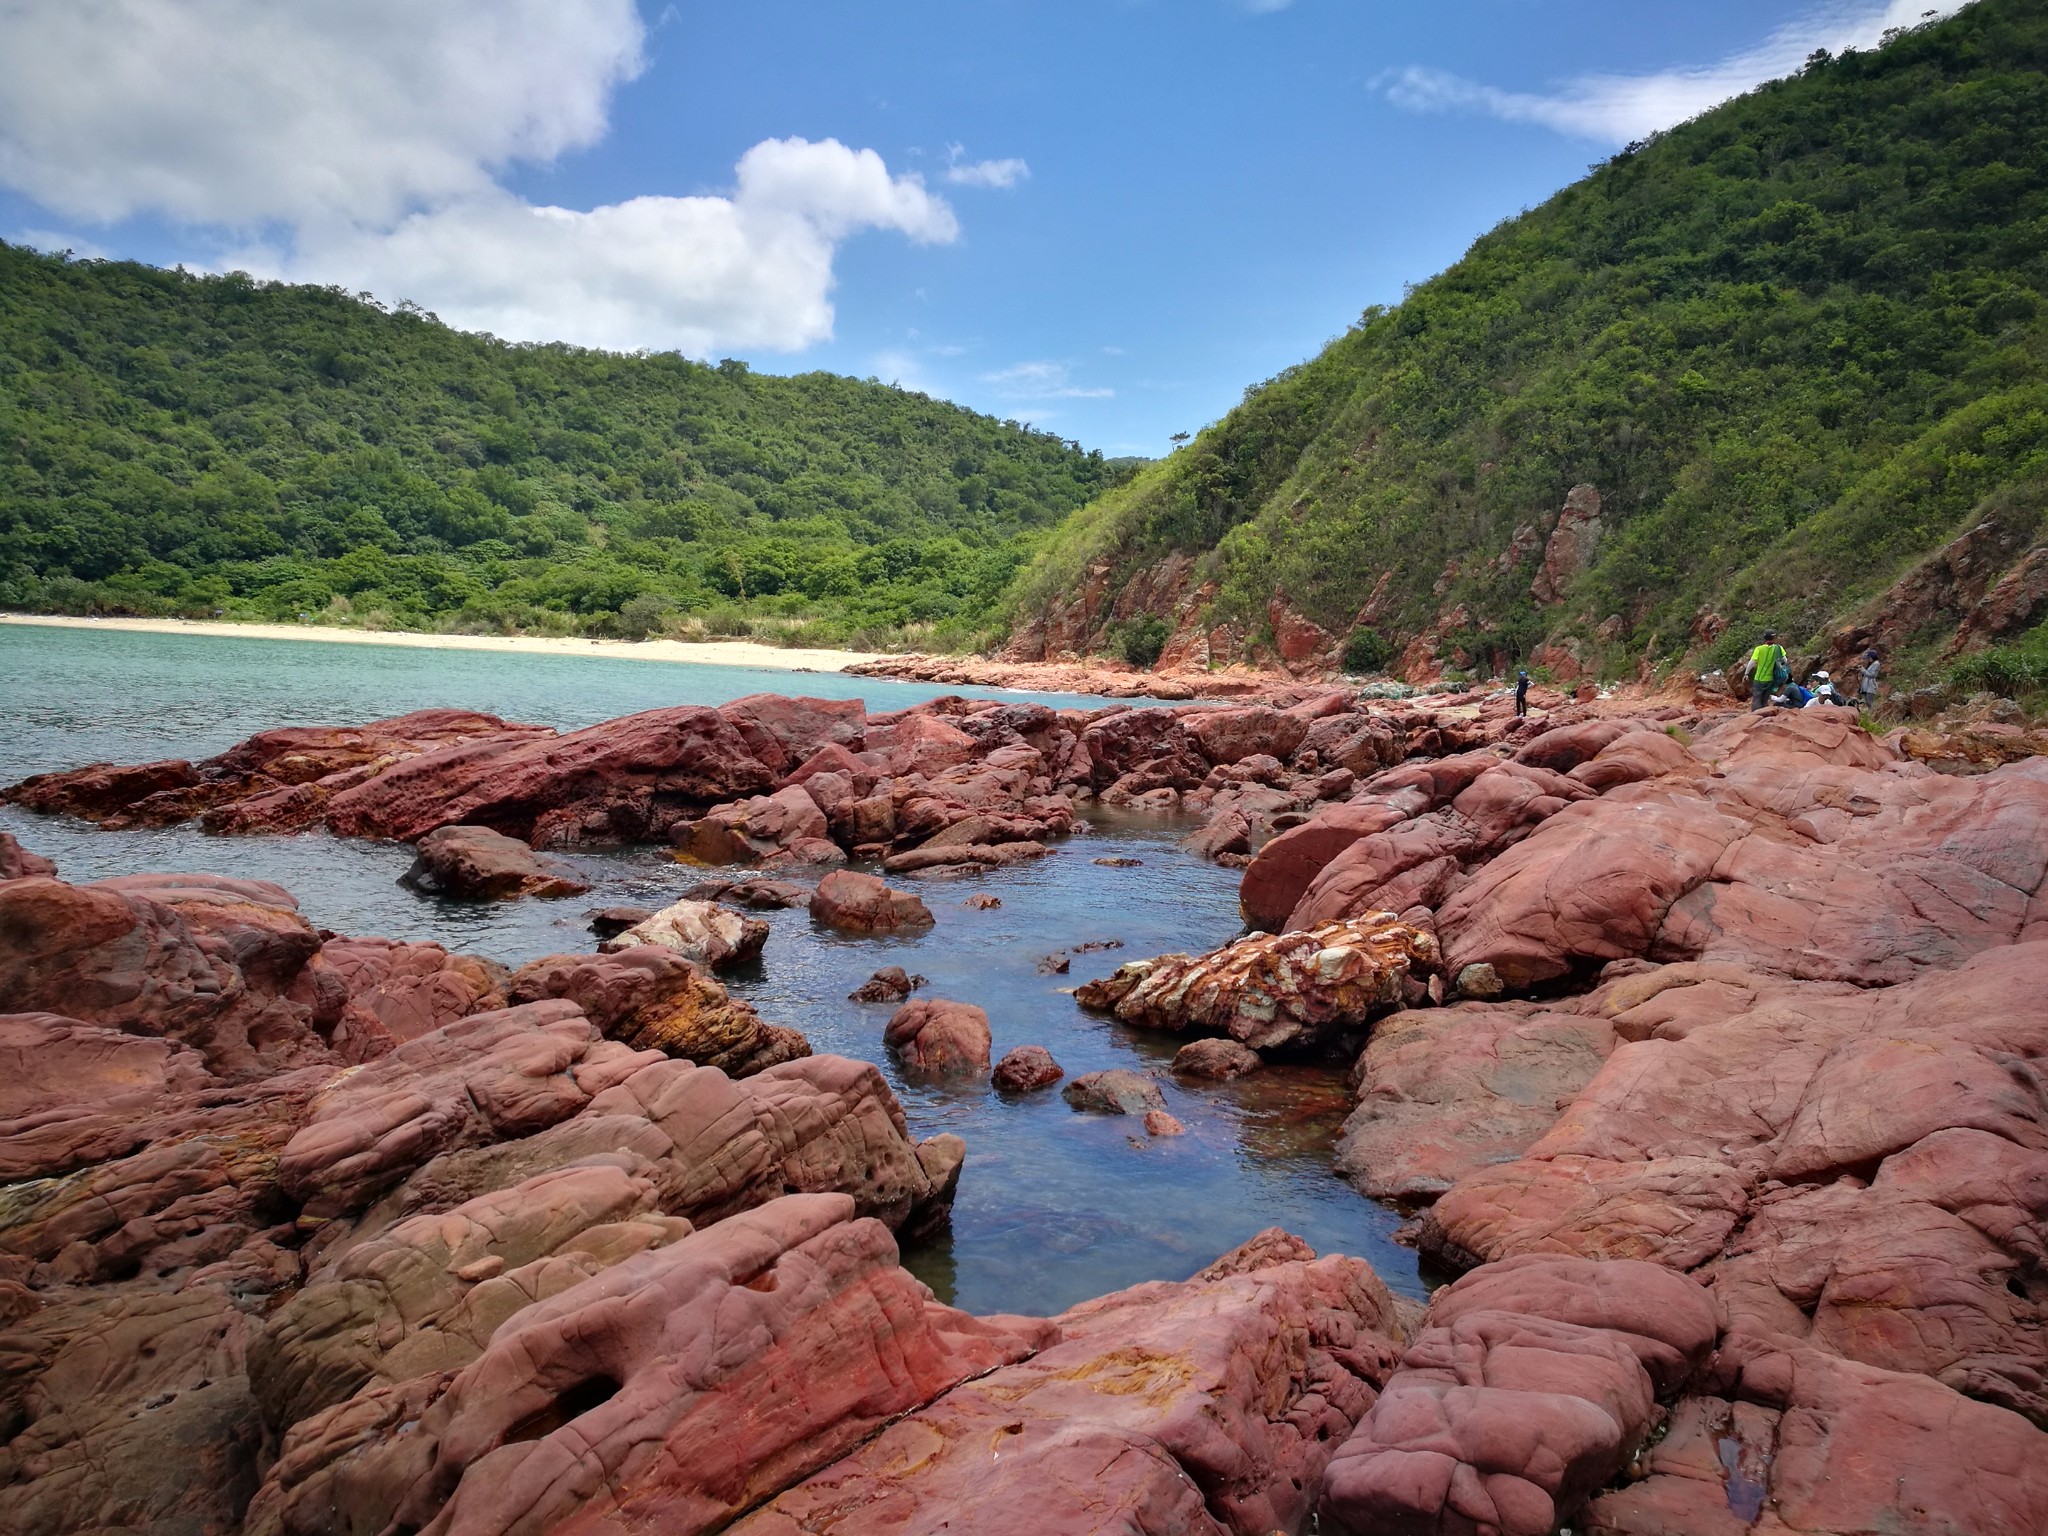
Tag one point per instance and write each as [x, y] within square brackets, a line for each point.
[1796, 345]
[180, 444]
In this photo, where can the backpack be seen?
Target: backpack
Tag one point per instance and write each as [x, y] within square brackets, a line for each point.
[1781, 673]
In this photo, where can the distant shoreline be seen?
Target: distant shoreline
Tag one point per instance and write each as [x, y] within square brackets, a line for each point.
[720, 653]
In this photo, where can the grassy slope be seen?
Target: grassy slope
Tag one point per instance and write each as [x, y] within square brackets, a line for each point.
[1796, 344]
[180, 444]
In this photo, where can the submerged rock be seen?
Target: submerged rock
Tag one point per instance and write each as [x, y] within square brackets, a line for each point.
[1118, 1091]
[934, 1037]
[1027, 1069]
[483, 865]
[891, 984]
[1215, 1060]
[863, 904]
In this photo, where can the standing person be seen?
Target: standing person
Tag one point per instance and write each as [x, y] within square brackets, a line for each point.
[1767, 669]
[1866, 693]
[1521, 694]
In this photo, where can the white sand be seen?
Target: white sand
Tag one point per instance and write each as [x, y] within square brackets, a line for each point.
[721, 653]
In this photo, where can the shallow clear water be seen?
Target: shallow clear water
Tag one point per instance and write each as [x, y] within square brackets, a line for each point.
[1054, 1206]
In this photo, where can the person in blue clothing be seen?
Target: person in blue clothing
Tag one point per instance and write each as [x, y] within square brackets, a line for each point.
[1521, 694]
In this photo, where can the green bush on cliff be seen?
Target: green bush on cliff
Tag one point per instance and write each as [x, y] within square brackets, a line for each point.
[1795, 343]
[1140, 640]
[180, 444]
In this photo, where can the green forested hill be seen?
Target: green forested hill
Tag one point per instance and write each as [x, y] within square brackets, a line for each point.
[1796, 345]
[174, 444]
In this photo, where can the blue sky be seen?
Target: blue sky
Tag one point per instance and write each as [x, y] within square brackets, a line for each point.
[1105, 217]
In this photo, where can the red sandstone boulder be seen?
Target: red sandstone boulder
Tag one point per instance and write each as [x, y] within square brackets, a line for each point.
[1277, 879]
[428, 1294]
[1795, 1440]
[72, 1093]
[863, 904]
[1206, 1407]
[100, 790]
[782, 827]
[1231, 735]
[934, 1037]
[700, 931]
[16, 862]
[98, 1389]
[1215, 1060]
[623, 780]
[491, 1077]
[1364, 744]
[654, 999]
[1117, 1091]
[116, 954]
[1533, 1384]
[891, 984]
[1027, 1069]
[1446, 1092]
[483, 865]
[396, 991]
[782, 732]
[1294, 991]
[1412, 863]
[693, 1381]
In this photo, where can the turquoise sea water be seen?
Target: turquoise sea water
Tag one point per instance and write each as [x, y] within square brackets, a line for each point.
[1054, 1206]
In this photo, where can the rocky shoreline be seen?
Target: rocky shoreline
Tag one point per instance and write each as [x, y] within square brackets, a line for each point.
[1711, 1048]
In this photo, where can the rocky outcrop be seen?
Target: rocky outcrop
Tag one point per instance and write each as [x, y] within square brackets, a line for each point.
[1208, 1406]
[16, 862]
[933, 1037]
[1296, 991]
[482, 865]
[1574, 540]
[863, 904]
[653, 998]
[623, 1399]
[700, 931]
[1531, 1386]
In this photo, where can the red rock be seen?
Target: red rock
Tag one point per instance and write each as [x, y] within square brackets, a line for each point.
[1632, 757]
[891, 984]
[1027, 1069]
[1282, 872]
[700, 931]
[752, 831]
[1118, 1091]
[1363, 743]
[100, 790]
[427, 1294]
[1822, 1446]
[121, 958]
[864, 904]
[1226, 832]
[1204, 1407]
[1230, 735]
[1574, 539]
[692, 1382]
[1676, 1211]
[490, 1077]
[760, 895]
[654, 999]
[915, 744]
[1410, 863]
[72, 1093]
[611, 782]
[478, 863]
[1120, 742]
[98, 1389]
[1563, 748]
[399, 991]
[1446, 1092]
[1532, 1386]
[16, 862]
[1215, 1060]
[988, 855]
[782, 732]
[1295, 991]
[934, 1037]
[1159, 1123]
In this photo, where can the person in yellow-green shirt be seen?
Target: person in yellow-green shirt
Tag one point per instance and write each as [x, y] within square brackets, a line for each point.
[1767, 668]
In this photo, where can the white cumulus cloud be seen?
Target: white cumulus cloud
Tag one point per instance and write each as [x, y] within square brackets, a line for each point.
[1000, 174]
[1042, 381]
[1617, 109]
[362, 142]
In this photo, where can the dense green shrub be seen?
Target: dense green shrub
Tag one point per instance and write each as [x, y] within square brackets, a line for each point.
[181, 444]
[1140, 640]
[1794, 343]
[1366, 650]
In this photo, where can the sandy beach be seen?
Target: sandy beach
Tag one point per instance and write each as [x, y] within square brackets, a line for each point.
[720, 653]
